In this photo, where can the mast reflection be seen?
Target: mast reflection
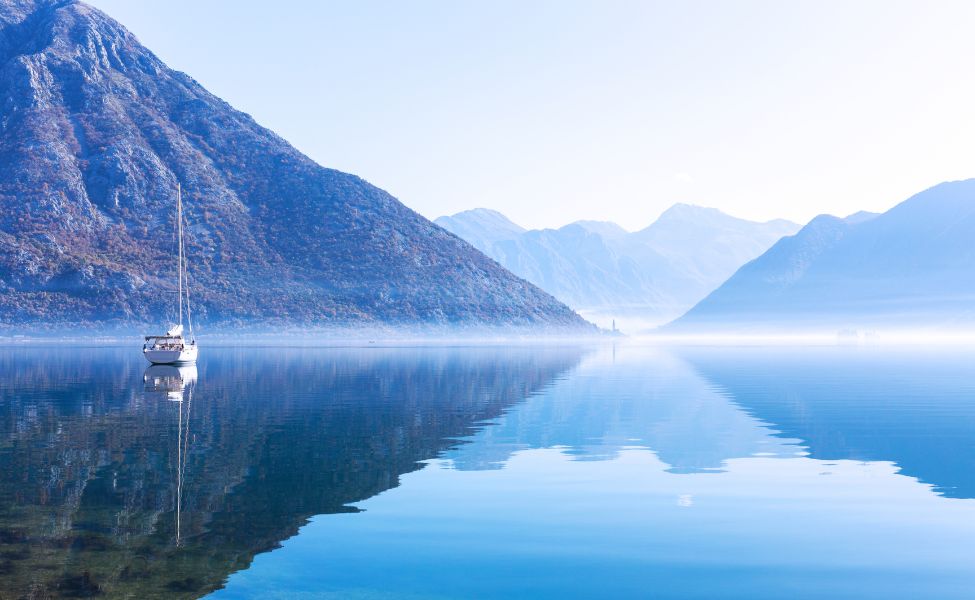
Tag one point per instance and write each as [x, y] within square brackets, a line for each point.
[175, 384]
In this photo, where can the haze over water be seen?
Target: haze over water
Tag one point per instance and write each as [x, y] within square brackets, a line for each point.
[490, 472]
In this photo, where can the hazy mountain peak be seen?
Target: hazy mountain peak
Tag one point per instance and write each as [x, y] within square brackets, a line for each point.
[686, 222]
[860, 217]
[481, 227]
[607, 229]
[681, 209]
[598, 267]
[694, 212]
[486, 216]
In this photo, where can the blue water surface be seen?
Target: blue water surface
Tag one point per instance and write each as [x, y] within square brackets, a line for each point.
[624, 471]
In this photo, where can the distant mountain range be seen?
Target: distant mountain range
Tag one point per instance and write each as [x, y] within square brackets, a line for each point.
[95, 133]
[642, 279]
[913, 266]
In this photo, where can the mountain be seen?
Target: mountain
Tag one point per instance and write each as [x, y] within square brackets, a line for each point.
[481, 227]
[913, 266]
[607, 229]
[641, 279]
[95, 133]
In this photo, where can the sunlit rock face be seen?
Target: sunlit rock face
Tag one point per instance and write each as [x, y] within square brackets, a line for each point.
[95, 133]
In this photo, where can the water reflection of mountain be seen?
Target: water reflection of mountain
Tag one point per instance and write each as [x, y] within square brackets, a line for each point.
[88, 485]
[631, 396]
[698, 407]
[915, 408]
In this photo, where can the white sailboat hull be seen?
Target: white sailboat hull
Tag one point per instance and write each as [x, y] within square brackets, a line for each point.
[184, 356]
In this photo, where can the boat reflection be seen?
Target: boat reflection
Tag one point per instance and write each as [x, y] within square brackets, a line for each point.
[183, 441]
[169, 382]
[175, 384]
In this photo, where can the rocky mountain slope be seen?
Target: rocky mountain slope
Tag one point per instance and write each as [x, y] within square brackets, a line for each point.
[913, 266]
[640, 279]
[95, 133]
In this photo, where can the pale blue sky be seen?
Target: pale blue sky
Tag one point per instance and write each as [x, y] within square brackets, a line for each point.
[552, 111]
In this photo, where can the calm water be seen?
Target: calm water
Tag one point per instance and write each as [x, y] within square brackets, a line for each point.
[500, 472]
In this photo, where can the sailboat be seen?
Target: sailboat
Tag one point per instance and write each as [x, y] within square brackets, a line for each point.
[175, 348]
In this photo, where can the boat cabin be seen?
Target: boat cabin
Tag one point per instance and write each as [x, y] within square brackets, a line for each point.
[165, 342]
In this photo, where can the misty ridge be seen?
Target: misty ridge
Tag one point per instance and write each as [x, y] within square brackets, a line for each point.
[910, 268]
[699, 271]
[641, 279]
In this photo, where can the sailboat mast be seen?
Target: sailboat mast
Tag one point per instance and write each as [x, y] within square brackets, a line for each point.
[179, 235]
[186, 290]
